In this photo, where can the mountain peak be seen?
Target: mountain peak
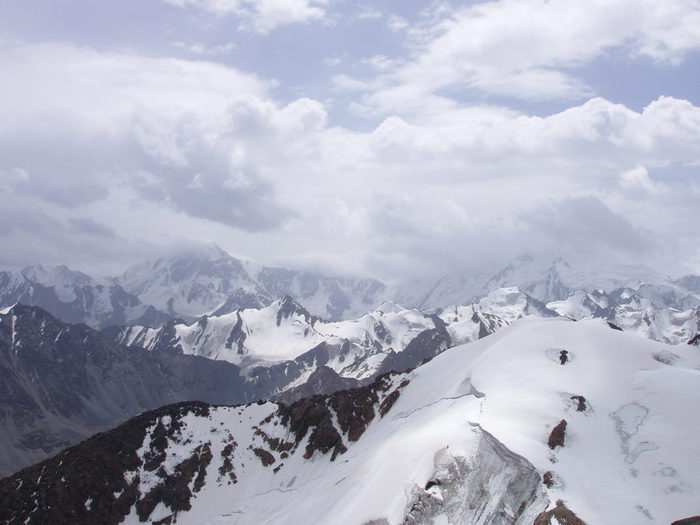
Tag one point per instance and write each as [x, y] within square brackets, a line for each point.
[288, 306]
[55, 275]
[389, 307]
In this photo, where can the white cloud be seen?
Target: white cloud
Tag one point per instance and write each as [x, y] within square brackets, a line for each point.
[397, 23]
[205, 50]
[262, 15]
[169, 130]
[637, 180]
[163, 148]
[367, 12]
[333, 61]
[380, 62]
[530, 49]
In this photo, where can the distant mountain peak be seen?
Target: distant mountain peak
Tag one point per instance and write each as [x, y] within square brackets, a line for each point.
[55, 275]
[389, 307]
[287, 307]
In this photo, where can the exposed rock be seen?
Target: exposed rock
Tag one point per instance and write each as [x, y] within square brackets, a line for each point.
[581, 403]
[558, 436]
[265, 457]
[559, 515]
[549, 479]
[563, 357]
[695, 520]
[425, 345]
[74, 297]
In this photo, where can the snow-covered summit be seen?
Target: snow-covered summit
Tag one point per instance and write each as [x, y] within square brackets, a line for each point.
[210, 281]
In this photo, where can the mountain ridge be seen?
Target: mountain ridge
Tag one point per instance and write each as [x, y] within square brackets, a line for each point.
[495, 431]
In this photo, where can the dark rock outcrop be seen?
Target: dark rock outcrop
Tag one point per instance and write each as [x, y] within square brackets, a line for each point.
[425, 345]
[559, 515]
[695, 520]
[558, 436]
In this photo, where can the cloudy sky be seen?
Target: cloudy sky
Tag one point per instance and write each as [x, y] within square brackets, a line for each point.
[393, 138]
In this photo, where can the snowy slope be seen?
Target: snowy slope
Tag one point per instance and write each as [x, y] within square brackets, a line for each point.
[631, 441]
[475, 436]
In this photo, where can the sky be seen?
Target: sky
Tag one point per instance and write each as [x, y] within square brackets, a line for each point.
[389, 139]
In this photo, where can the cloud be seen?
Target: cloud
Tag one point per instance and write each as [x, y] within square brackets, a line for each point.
[261, 15]
[367, 12]
[156, 149]
[531, 49]
[586, 224]
[637, 180]
[203, 49]
[82, 242]
[185, 134]
[89, 226]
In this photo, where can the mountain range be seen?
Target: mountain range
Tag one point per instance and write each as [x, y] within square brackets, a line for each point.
[208, 281]
[547, 421]
[81, 355]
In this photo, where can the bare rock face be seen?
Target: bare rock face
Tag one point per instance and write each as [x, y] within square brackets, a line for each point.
[559, 515]
[558, 436]
[425, 345]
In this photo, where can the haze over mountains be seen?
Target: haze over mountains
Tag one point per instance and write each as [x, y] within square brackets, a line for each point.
[208, 281]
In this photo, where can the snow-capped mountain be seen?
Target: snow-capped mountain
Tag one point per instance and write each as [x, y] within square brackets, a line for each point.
[633, 312]
[75, 297]
[548, 421]
[61, 383]
[544, 279]
[282, 331]
[284, 341]
[284, 347]
[210, 281]
[499, 308]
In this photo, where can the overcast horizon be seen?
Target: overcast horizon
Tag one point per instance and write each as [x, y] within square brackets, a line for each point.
[389, 139]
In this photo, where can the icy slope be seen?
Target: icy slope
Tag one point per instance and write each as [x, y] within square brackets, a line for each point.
[545, 414]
